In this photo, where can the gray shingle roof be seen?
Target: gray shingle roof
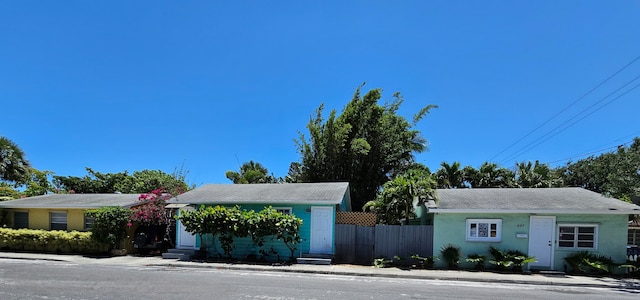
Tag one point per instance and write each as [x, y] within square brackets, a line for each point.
[289, 193]
[568, 200]
[84, 201]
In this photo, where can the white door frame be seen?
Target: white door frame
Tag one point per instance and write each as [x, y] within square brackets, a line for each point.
[318, 243]
[548, 237]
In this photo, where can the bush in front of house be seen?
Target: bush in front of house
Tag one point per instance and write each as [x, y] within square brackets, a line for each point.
[585, 262]
[510, 260]
[49, 241]
[109, 225]
[451, 255]
[225, 224]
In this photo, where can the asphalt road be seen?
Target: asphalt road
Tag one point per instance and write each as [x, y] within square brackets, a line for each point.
[26, 279]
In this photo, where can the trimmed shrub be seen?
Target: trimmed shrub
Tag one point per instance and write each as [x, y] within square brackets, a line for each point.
[585, 262]
[49, 241]
[451, 255]
[512, 260]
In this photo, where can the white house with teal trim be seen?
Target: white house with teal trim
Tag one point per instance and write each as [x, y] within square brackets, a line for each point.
[547, 223]
[315, 203]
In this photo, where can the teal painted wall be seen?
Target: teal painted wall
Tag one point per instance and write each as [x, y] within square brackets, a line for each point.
[451, 229]
[244, 246]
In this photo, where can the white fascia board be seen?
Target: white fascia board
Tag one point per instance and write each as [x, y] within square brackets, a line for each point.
[545, 211]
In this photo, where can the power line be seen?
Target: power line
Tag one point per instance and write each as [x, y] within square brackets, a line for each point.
[589, 153]
[567, 107]
[525, 149]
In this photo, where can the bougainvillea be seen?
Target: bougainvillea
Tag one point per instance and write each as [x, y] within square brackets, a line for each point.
[152, 211]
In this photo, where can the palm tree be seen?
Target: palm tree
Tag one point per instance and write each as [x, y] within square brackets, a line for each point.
[535, 175]
[14, 167]
[395, 201]
[450, 176]
[489, 175]
[251, 172]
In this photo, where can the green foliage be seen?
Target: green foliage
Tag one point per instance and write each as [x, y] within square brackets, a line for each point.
[450, 176]
[614, 174]
[229, 223]
[139, 182]
[251, 172]
[365, 145]
[451, 255]
[489, 175]
[476, 259]
[382, 262]
[424, 262]
[38, 183]
[512, 260]
[109, 224]
[14, 167]
[536, 175]
[395, 200]
[585, 262]
[52, 241]
[7, 192]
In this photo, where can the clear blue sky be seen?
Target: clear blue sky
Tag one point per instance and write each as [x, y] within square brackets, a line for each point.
[132, 85]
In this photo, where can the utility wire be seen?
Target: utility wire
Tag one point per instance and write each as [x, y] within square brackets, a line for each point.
[525, 149]
[589, 153]
[567, 107]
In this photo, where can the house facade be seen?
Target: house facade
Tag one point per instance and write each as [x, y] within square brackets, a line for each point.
[315, 203]
[60, 211]
[548, 224]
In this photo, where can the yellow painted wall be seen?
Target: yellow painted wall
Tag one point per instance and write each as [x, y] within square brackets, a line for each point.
[39, 218]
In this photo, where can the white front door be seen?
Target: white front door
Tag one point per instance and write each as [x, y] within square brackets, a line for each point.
[321, 230]
[541, 237]
[186, 240]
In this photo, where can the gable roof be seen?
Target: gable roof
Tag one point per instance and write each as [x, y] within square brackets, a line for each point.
[530, 200]
[267, 193]
[81, 201]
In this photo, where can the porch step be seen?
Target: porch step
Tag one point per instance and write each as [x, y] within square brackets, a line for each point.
[179, 254]
[315, 259]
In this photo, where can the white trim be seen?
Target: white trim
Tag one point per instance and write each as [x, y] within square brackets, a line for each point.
[472, 235]
[529, 211]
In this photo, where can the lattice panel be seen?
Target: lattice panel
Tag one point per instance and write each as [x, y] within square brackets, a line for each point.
[356, 218]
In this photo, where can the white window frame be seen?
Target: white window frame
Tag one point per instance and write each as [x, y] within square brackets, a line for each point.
[284, 210]
[576, 236]
[53, 220]
[473, 226]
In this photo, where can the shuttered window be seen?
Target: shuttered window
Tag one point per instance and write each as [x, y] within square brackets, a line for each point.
[58, 220]
[577, 236]
[20, 219]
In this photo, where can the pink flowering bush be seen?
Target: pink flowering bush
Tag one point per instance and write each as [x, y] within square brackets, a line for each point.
[151, 212]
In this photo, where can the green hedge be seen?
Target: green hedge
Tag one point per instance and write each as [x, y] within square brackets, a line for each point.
[49, 241]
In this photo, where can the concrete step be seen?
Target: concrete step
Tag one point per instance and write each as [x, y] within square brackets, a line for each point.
[313, 261]
[179, 254]
[317, 255]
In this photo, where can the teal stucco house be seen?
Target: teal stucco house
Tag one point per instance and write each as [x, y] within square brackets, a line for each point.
[547, 223]
[315, 203]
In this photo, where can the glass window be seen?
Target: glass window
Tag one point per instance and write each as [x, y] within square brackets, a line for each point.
[484, 230]
[88, 222]
[20, 219]
[577, 236]
[58, 220]
[284, 210]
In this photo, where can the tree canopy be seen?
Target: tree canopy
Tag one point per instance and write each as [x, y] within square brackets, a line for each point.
[251, 172]
[143, 181]
[366, 145]
[14, 167]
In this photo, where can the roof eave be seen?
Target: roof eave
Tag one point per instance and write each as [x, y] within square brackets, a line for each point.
[529, 211]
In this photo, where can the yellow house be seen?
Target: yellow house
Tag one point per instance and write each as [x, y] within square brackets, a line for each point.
[60, 211]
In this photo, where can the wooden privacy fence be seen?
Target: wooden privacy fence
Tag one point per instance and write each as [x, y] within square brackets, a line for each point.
[362, 244]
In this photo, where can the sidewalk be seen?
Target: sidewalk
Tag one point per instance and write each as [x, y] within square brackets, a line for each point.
[351, 270]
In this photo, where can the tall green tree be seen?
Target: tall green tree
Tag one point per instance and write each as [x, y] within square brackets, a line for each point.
[489, 175]
[8, 192]
[14, 167]
[143, 181]
[366, 145]
[395, 202]
[39, 183]
[450, 176]
[615, 174]
[536, 175]
[251, 172]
